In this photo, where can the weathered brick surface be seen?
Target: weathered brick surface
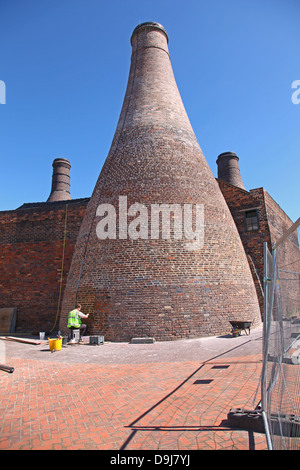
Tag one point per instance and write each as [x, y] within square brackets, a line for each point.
[239, 201]
[60, 188]
[157, 287]
[287, 256]
[229, 170]
[31, 253]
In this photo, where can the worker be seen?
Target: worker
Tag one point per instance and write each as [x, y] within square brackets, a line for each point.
[74, 321]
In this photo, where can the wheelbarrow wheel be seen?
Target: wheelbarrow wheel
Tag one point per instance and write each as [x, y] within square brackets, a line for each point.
[236, 331]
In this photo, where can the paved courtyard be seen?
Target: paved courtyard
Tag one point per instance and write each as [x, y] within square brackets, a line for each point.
[119, 396]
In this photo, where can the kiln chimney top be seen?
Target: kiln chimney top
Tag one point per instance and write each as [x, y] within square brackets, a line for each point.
[149, 25]
[60, 190]
[229, 170]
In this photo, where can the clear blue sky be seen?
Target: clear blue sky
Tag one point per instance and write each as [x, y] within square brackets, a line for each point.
[65, 64]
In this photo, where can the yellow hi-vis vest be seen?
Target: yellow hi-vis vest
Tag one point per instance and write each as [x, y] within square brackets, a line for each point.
[74, 319]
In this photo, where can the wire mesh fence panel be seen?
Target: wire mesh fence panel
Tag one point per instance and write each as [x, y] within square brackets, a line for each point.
[281, 392]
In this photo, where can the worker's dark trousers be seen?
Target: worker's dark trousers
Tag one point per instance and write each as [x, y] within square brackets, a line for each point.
[82, 330]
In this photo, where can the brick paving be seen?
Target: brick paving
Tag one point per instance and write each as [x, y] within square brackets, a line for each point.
[155, 404]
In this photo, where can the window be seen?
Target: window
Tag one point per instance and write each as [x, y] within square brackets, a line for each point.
[251, 218]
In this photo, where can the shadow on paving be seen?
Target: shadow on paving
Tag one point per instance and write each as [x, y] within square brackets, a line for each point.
[136, 427]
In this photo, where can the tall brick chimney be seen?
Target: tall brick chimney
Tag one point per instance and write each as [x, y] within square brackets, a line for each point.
[135, 283]
[60, 190]
[229, 170]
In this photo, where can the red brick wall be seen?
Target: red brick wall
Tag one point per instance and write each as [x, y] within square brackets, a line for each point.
[287, 256]
[238, 201]
[278, 220]
[31, 244]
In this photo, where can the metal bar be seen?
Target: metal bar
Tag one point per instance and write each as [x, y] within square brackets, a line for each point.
[6, 368]
[265, 350]
[267, 431]
[266, 335]
[287, 233]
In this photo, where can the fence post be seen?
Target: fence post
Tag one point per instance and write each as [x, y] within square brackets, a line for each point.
[266, 333]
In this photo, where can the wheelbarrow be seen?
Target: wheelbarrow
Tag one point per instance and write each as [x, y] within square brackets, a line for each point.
[238, 326]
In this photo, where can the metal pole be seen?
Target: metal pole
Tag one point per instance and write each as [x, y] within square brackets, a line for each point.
[264, 367]
[266, 333]
[268, 435]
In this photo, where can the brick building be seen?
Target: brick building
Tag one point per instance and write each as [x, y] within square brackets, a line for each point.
[257, 216]
[51, 255]
[37, 242]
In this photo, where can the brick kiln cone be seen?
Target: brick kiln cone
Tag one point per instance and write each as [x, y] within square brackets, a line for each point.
[157, 287]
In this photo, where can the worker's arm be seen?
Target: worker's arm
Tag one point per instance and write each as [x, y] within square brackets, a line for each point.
[82, 315]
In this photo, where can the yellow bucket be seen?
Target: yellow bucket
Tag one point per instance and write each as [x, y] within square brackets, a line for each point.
[55, 344]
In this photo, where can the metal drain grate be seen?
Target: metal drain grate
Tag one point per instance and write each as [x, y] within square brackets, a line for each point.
[221, 367]
[203, 381]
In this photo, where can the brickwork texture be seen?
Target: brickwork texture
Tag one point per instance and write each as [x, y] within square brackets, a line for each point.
[34, 249]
